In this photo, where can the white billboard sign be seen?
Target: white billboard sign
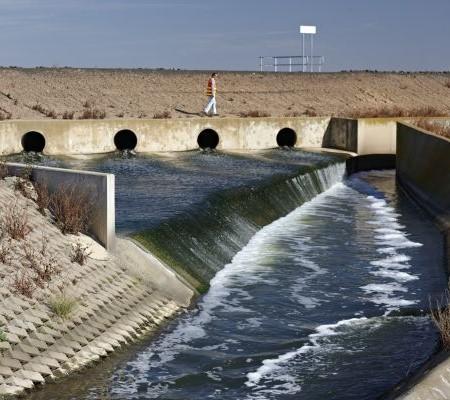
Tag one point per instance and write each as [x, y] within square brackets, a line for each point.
[309, 29]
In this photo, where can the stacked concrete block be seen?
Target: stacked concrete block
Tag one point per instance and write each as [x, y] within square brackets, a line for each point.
[113, 308]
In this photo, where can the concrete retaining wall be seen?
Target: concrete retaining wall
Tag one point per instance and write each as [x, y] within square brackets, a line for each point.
[97, 136]
[100, 186]
[423, 170]
[341, 134]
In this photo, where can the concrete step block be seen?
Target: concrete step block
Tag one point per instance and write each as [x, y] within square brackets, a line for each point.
[33, 376]
[49, 331]
[18, 355]
[4, 346]
[6, 371]
[50, 362]
[60, 349]
[38, 344]
[10, 390]
[12, 338]
[21, 382]
[75, 346]
[10, 363]
[31, 350]
[58, 356]
[42, 369]
[49, 339]
[20, 332]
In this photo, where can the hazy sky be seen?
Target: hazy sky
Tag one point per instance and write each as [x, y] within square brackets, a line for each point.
[227, 34]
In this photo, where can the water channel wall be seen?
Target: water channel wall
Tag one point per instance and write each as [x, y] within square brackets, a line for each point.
[99, 186]
[423, 171]
[158, 135]
[72, 137]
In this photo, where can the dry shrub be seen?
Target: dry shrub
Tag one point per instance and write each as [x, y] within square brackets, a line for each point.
[396, 111]
[79, 254]
[3, 170]
[254, 114]
[5, 251]
[23, 284]
[88, 104]
[15, 222]
[42, 196]
[72, 208]
[23, 182]
[4, 115]
[68, 115]
[43, 266]
[162, 115]
[310, 113]
[441, 318]
[447, 84]
[92, 113]
[438, 129]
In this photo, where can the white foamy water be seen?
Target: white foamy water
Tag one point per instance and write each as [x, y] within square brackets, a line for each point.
[277, 369]
[390, 239]
[225, 293]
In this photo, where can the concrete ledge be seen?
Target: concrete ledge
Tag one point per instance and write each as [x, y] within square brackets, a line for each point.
[159, 135]
[369, 162]
[101, 186]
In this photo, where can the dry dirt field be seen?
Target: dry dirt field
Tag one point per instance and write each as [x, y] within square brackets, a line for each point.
[50, 93]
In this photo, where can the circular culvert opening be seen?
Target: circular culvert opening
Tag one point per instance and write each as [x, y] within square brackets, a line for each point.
[125, 140]
[33, 141]
[286, 137]
[208, 139]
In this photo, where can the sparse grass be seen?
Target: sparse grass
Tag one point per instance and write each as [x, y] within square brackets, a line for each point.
[3, 337]
[14, 222]
[68, 115]
[79, 254]
[441, 318]
[396, 111]
[62, 306]
[72, 208]
[162, 115]
[254, 114]
[438, 129]
[92, 113]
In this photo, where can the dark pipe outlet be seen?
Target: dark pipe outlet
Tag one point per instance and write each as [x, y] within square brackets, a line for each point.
[125, 140]
[208, 139]
[286, 137]
[33, 141]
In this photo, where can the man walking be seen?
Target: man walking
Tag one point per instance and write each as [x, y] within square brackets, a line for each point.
[211, 93]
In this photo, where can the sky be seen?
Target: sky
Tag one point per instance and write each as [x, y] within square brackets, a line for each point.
[224, 35]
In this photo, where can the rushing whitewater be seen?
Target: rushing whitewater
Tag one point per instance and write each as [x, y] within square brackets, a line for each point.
[317, 283]
[299, 310]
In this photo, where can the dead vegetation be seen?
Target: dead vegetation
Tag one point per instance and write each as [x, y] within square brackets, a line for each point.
[15, 223]
[441, 318]
[72, 209]
[48, 113]
[68, 115]
[79, 254]
[42, 196]
[396, 111]
[254, 114]
[92, 113]
[447, 84]
[434, 127]
[5, 115]
[162, 115]
[62, 306]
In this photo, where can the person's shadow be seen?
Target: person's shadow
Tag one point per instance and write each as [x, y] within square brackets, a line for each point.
[198, 114]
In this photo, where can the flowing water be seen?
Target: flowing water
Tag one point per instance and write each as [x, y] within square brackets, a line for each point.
[318, 284]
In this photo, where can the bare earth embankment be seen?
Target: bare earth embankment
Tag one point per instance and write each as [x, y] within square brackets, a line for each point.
[74, 93]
